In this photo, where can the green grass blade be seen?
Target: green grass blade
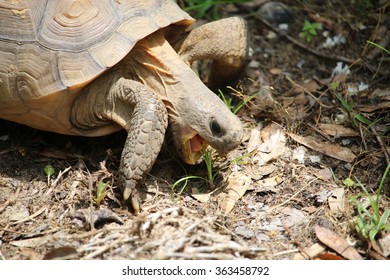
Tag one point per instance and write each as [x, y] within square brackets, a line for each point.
[379, 47]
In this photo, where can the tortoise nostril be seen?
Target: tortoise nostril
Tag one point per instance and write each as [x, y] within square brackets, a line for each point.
[215, 127]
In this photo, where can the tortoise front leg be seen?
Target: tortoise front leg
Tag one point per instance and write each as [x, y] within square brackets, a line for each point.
[224, 41]
[135, 108]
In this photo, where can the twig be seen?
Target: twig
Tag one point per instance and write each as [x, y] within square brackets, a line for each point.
[39, 212]
[379, 139]
[113, 244]
[307, 92]
[286, 252]
[8, 150]
[55, 182]
[201, 256]
[293, 196]
[60, 174]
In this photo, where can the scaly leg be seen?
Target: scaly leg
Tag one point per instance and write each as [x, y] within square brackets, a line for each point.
[135, 108]
[224, 41]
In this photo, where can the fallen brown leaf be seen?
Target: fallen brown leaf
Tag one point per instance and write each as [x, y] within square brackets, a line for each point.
[336, 200]
[311, 85]
[268, 184]
[337, 130]
[332, 150]
[330, 256]
[201, 197]
[238, 184]
[273, 144]
[337, 243]
[254, 140]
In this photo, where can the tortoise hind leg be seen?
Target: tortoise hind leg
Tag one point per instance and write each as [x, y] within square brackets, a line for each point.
[136, 109]
[224, 41]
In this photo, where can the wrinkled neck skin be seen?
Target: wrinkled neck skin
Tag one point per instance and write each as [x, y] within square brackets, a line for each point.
[191, 106]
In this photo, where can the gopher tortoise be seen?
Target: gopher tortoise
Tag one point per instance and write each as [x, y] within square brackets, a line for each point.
[92, 67]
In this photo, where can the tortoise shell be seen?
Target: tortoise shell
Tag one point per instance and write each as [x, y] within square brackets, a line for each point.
[50, 49]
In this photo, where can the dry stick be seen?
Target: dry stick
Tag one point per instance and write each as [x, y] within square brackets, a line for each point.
[8, 150]
[39, 212]
[292, 197]
[55, 182]
[307, 92]
[105, 248]
[286, 252]
[379, 139]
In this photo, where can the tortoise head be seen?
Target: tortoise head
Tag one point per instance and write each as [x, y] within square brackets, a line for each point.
[199, 118]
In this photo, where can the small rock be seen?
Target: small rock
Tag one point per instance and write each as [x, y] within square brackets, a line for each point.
[276, 13]
[315, 159]
[254, 64]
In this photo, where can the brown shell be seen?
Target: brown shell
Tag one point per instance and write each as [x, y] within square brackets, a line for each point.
[57, 46]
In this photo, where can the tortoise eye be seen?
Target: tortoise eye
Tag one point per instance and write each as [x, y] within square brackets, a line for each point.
[215, 127]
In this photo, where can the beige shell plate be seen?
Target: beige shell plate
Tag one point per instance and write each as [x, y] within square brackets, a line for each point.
[52, 47]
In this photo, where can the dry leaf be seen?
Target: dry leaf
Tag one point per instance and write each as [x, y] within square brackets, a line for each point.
[383, 94]
[254, 140]
[201, 197]
[337, 130]
[238, 184]
[32, 242]
[336, 200]
[329, 256]
[324, 174]
[371, 108]
[335, 242]
[310, 209]
[268, 184]
[311, 85]
[332, 150]
[273, 145]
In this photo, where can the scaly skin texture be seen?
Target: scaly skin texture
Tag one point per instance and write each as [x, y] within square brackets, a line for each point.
[224, 41]
[154, 82]
[140, 112]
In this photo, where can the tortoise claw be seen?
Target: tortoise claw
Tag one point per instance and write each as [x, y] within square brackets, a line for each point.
[131, 193]
[127, 192]
[135, 202]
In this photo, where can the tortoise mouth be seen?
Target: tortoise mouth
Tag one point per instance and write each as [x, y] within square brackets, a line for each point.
[193, 145]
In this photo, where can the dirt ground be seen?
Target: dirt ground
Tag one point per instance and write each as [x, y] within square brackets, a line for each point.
[288, 190]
